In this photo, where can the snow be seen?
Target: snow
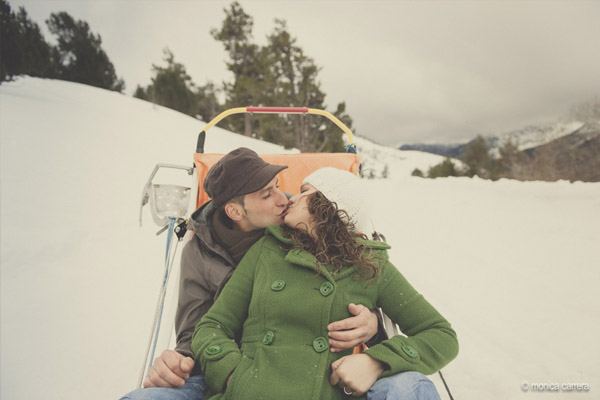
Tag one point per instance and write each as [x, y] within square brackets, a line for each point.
[382, 161]
[534, 135]
[512, 265]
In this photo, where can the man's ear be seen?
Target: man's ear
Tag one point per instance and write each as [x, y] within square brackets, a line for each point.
[234, 211]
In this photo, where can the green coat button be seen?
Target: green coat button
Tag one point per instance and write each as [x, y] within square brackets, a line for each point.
[326, 288]
[278, 285]
[320, 344]
[212, 350]
[409, 351]
[268, 338]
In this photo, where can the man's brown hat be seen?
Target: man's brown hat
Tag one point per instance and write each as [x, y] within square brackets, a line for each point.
[239, 172]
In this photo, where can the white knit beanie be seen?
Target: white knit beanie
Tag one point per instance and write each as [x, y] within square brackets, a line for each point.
[347, 191]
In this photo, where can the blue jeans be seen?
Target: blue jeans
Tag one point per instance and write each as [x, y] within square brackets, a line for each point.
[192, 390]
[403, 386]
[408, 385]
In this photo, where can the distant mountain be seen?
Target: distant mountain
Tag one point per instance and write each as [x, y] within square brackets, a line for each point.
[572, 157]
[379, 161]
[533, 135]
[525, 138]
[549, 152]
[446, 150]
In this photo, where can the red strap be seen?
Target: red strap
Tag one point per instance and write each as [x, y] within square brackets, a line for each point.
[278, 110]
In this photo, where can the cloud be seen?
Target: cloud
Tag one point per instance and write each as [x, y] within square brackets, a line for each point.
[408, 71]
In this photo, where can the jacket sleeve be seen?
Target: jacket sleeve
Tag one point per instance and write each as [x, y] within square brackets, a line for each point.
[430, 343]
[213, 343]
[195, 296]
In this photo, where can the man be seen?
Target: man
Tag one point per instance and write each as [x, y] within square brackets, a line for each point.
[245, 199]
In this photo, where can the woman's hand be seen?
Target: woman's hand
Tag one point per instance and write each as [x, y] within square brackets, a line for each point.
[349, 332]
[355, 373]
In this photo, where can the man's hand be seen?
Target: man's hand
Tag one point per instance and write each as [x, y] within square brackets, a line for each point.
[355, 374]
[171, 369]
[349, 332]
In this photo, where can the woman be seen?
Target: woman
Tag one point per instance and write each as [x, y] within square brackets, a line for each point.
[291, 284]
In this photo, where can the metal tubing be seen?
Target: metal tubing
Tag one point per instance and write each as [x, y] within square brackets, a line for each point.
[281, 110]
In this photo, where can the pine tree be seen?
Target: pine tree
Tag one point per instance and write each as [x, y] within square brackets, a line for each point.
[386, 171]
[510, 159]
[246, 62]
[171, 86]
[278, 73]
[332, 138]
[443, 169]
[295, 79]
[23, 49]
[476, 156]
[207, 103]
[79, 55]
[479, 162]
[141, 93]
[417, 172]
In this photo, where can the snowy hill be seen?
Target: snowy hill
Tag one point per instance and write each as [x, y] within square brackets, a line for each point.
[512, 265]
[383, 161]
[525, 138]
[534, 135]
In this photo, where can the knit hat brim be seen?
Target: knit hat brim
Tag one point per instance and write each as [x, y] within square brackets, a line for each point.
[345, 190]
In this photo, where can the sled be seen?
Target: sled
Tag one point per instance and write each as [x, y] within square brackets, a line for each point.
[299, 165]
[171, 205]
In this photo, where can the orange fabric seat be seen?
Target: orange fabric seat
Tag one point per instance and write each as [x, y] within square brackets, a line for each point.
[299, 166]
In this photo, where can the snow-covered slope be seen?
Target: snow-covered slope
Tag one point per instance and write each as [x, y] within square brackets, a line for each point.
[535, 135]
[513, 265]
[525, 138]
[79, 277]
[381, 161]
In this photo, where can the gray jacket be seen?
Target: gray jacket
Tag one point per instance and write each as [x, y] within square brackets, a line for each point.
[205, 268]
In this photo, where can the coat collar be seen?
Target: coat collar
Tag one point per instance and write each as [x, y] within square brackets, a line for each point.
[306, 259]
[201, 224]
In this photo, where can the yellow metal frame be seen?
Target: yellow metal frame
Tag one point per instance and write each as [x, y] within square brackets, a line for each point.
[314, 111]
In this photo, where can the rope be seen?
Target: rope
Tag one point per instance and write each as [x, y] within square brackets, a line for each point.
[446, 385]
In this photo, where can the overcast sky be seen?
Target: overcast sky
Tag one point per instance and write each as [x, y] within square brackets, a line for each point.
[408, 71]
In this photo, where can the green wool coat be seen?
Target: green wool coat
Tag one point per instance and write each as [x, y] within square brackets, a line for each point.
[277, 306]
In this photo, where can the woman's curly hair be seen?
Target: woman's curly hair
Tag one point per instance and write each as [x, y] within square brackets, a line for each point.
[335, 244]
